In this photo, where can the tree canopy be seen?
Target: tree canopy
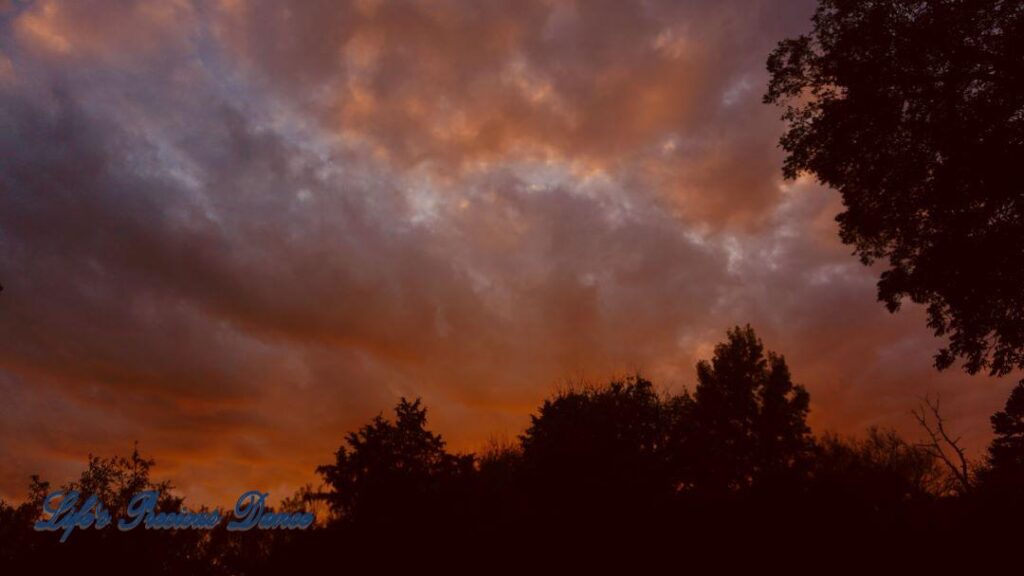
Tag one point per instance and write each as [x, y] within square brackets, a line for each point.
[391, 472]
[746, 423]
[1004, 470]
[914, 111]
[606, 444]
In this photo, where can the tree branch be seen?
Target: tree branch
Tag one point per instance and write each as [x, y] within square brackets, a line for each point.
[941, 444]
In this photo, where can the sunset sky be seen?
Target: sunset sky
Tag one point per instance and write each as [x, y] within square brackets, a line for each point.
[235, 230]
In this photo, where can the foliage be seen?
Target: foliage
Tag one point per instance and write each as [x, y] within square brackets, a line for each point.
[392, 473]
[914, 111]
[600, 450]
[878, 472]
[746, 423]
[1004, 472]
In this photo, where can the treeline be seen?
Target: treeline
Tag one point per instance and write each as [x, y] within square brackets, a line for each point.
[729, 473]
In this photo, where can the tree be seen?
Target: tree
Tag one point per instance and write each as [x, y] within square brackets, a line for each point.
[114, 481]
[914, 111]
[877, 472]
[599, 450]
[943, 447]
[745, 425]
[16, 543]
[392, 473]
[1004, 470]
[117, 479]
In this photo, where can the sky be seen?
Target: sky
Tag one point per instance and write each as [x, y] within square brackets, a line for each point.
[234, 230]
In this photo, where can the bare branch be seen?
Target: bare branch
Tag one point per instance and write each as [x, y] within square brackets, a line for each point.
[941, 445]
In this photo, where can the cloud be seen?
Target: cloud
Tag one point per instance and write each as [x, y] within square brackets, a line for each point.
[235, 230]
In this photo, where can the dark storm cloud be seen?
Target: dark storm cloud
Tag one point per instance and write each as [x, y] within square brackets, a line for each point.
[233, 230]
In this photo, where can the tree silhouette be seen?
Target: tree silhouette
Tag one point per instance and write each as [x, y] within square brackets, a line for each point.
[599, 451]
[944, 447]
[876, 473]
[745, 425]
[117, 479]
[114, 481]
[914, 111]
[16, 543]
[392, 473]
[1004, 473]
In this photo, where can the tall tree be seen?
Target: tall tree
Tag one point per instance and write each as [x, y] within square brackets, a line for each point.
[392, 473]
[745, 425]
[914, 111]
